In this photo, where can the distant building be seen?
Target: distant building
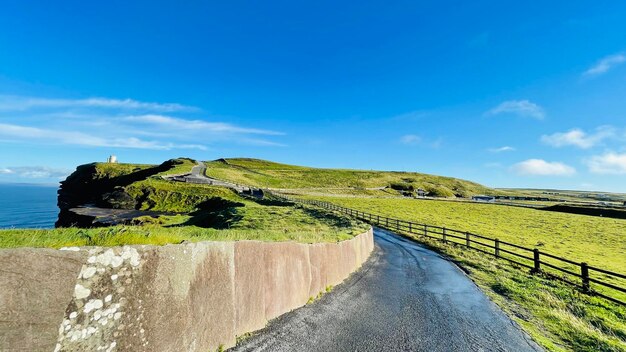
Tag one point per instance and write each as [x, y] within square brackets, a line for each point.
[481, 198]
[112, 159]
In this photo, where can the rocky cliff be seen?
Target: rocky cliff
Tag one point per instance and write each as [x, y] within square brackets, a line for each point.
[90, 186]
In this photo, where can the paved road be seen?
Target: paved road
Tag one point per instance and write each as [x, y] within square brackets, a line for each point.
[198, 170]
[405, 298]
[198, 176]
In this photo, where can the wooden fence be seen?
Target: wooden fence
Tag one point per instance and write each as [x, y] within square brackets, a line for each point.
[606, 284]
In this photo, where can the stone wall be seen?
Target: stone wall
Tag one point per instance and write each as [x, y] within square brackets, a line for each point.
[185, 297]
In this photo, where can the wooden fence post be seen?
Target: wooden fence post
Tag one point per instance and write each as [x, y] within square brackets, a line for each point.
[387, 222]
[467, 239]
[497, 247]
[536, 261]
[584, 272]
[425, 230]
[377, 219]
[410, 227]
[443, 233]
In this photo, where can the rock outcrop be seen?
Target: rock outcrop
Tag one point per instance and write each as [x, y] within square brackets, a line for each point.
[86, 187]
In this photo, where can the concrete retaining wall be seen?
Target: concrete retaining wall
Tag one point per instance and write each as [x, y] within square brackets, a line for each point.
[185, 297]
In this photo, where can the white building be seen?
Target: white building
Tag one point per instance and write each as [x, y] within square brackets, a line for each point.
[112, 159]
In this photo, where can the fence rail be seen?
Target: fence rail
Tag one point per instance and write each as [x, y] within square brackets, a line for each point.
[579, 274]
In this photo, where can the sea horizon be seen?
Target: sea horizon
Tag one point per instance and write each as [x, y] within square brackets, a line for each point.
[28, 205]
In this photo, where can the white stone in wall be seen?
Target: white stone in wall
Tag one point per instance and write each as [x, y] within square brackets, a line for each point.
[88, 272]
[81, 292]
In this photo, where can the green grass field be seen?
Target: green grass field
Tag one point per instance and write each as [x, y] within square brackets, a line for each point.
[252, 221]
[161, 195]
[596, 240]
[108, 170]
[183, 167]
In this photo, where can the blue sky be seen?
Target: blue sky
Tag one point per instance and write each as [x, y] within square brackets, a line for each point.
[499, 92]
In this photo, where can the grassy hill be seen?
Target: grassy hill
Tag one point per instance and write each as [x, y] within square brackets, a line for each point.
[191, 212]
[267, 174]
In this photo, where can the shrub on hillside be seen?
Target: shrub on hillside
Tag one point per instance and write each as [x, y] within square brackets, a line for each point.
[401, 186]
[438, 191]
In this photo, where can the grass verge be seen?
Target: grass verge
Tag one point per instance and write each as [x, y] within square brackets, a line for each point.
[257, 222]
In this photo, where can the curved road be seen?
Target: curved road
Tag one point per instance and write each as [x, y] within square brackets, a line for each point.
[198, 169]
[198, 176]
[405, 298]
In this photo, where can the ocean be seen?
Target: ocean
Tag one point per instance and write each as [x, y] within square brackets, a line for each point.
[28, 206]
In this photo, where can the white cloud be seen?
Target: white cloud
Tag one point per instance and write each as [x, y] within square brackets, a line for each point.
[522, 108]
[506, 148]
[21, 103]
[605, 64]
[102, 122]
[415, 140]
[199, 125]
[36, 172]
[410, 139]
[608, 163]
[539, 167]
[578, 138]
[80, 138]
